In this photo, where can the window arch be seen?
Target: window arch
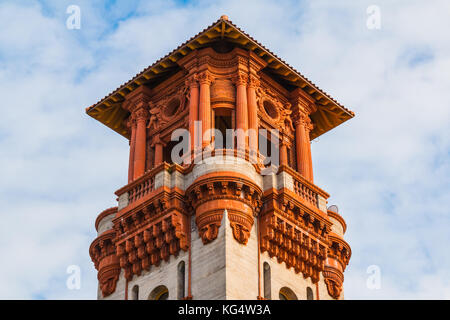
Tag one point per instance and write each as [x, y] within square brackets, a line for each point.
[223, 120]
[267, 281]
[287, 294]
[159, 293]
[181, 280]
[309, 294]
[135, 293]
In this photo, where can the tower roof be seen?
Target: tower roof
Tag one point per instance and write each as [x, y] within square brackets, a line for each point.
[329, 112]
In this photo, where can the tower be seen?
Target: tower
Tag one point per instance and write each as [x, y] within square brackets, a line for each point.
[210, 215]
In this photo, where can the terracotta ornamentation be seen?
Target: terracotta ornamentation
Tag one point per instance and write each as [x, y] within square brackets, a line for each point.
[290, 244]
[334, 280]
[103, 254]
[153, 242]
[225, 83]
[214, 194]
[338, 257]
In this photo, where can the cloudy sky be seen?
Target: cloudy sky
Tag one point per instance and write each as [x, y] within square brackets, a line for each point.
[387, 169]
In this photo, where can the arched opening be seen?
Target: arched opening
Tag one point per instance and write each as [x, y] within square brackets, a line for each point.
[267, 285]
[269, 146]
[159, 293]
[181, 281]
[135, 293]
[167, 151]
[309, 294]
[287, 294]
[223, 121]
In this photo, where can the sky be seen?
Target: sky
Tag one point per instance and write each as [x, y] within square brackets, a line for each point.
[387, 169]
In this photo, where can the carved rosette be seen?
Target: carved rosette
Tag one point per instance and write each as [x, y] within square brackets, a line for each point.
[211, 196]
[103, 254]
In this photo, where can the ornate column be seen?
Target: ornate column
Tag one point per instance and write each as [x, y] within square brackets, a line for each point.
[309, 126]
[158, 145]
[303, 126]
[283, 153]
[205, 79]
[131, 124]
[192, 83]
[141, 131]
[252, 115]
[241, 109]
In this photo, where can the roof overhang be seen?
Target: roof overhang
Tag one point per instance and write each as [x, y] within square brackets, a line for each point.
[329, 112]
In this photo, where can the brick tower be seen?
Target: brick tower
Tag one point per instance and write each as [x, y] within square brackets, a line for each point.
[235, 218]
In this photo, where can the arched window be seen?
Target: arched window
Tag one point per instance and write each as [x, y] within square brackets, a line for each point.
[223, 121]
[135, 293]
[287, 294]
[267, 286]
[159, 293]
[181, 281]
[309, 294]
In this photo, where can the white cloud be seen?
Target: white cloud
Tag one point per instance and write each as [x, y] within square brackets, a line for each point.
[387, 168]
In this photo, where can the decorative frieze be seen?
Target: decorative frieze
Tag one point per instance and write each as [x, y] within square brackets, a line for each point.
[151, 244]
[292, 245]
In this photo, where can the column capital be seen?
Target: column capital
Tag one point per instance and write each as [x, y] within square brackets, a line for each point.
[304, 120]
[192, 81]
[240, 78]
[204, 77]
[141, 114]
[157, 140]
[253, 81]
[130, 121]
[302, 102]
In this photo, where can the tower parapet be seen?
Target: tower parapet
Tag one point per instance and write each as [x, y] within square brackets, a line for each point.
[220, 201]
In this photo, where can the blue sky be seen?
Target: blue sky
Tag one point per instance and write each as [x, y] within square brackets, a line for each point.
[387, 169]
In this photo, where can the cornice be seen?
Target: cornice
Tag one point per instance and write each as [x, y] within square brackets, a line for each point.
[339, 218]
[103, 214]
